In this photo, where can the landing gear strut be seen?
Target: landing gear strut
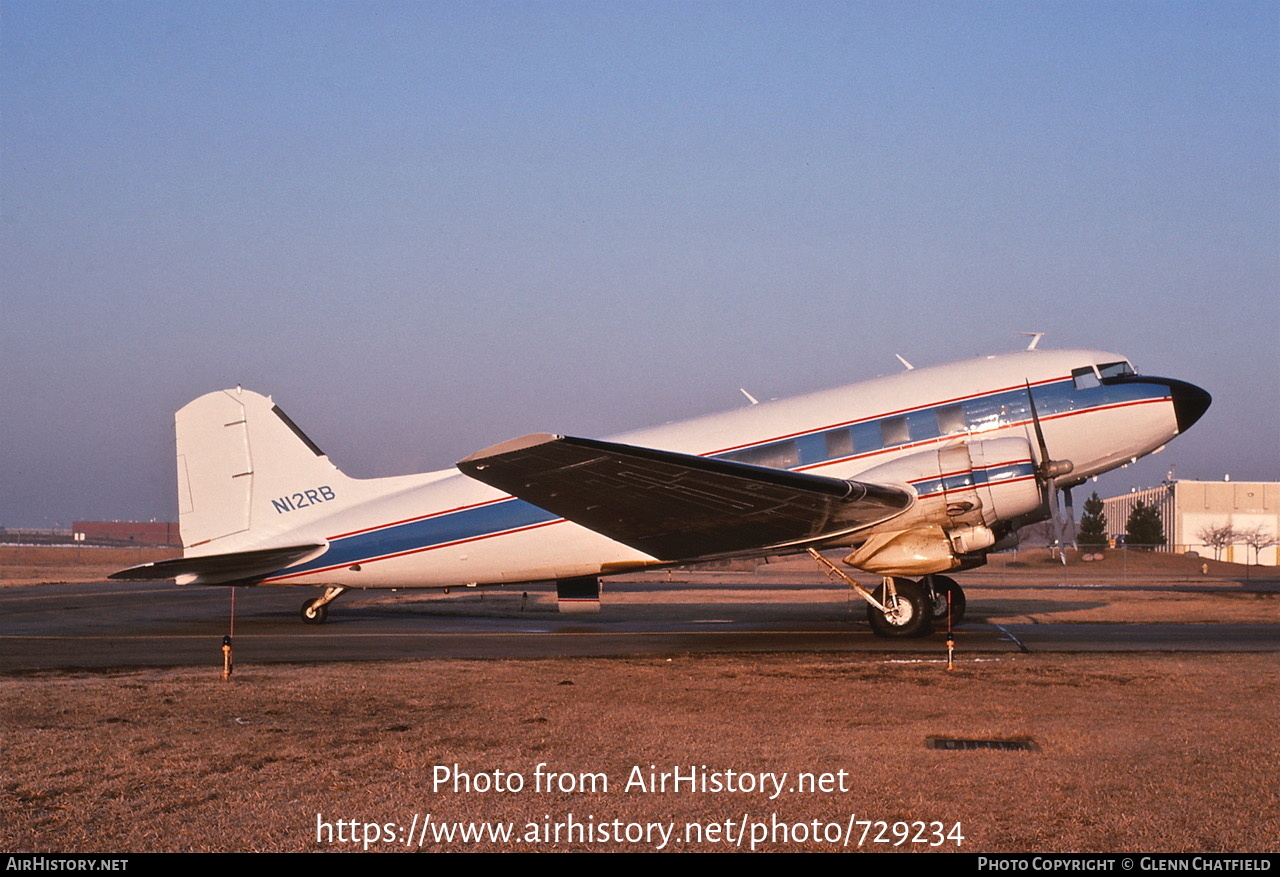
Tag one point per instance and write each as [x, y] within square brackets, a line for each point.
[898, 608]
[316, 610]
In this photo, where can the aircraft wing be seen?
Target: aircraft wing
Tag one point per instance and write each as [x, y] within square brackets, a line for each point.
[221, 568]
[678, 506]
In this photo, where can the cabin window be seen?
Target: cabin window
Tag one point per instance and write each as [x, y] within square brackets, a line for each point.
[839, 444]
[778, 455]
[1084, 378]
[951, 420]
[893, 431]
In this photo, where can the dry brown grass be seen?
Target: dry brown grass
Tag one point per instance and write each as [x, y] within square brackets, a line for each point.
[41, 564]
[1147, 753]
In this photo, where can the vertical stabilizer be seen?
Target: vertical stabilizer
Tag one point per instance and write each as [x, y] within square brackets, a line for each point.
[246, 473]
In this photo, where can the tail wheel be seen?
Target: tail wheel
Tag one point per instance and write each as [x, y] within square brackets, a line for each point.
[938, 589]
[908, 612]
[314, 611]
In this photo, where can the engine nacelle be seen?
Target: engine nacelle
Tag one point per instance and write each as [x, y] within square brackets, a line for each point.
[973, 486]
[914, 552]
[969, 483]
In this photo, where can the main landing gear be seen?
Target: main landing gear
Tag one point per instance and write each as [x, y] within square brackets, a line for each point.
[902, 608]
[316, 610]
[938, 589]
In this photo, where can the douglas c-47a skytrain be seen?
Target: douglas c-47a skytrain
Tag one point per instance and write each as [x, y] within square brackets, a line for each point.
[917, 474]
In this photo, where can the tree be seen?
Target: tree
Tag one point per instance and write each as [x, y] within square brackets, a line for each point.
[1039, 533]
[1257, 538]
[1216, 537]
[1144, 528]
[1093, 523]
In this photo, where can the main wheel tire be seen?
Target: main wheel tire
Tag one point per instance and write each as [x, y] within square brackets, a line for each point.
[314, 612]
[942, 586]
[911, 617]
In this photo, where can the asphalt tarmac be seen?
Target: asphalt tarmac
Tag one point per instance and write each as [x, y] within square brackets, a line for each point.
[128, 625]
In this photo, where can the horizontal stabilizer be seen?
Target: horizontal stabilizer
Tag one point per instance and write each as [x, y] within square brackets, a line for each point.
[214, 569]
[678, 506]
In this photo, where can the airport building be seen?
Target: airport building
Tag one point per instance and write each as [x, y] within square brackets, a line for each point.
[127, 533]
[1197, 513]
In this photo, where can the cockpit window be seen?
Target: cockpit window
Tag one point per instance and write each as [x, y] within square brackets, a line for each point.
[1084, 378]
[1115, 370]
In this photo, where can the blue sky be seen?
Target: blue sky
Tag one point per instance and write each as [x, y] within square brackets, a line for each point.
[427, 227]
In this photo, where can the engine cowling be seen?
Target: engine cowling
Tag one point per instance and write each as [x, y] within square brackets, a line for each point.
[965, 492]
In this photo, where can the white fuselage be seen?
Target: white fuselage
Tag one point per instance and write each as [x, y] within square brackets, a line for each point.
[442, 529]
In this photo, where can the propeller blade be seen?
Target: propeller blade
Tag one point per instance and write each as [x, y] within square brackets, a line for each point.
[1070, 519]
[1047, 470]
[1035, 422]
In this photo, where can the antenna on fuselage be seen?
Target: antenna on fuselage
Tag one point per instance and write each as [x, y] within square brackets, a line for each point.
[1034, 336]
[752, 399]
[904, 362]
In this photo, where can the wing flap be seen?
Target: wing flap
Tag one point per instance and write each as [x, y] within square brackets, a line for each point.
[679, 506]
[214, 569]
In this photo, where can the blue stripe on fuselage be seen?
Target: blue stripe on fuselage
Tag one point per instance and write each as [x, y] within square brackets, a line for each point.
[432, 532]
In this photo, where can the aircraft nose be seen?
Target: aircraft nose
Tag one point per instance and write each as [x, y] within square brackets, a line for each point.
[1189, 403]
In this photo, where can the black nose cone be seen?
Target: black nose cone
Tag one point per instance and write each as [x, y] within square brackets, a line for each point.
[1189, 403]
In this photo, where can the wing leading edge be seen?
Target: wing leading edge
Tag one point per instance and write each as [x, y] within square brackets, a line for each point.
[678, 506]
